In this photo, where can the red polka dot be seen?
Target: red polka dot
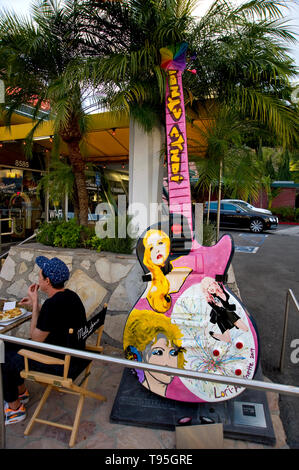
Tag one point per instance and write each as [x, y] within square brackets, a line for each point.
[216, 352]
[239, 345]
[238, 372]
[176, 229]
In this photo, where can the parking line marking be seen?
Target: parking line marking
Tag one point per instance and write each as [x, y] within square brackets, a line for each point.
[255, 238]
[246, 249]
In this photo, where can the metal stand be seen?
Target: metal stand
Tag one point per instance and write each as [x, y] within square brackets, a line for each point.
[246, 417]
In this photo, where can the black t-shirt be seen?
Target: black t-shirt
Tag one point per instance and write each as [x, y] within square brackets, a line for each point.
[58, 314]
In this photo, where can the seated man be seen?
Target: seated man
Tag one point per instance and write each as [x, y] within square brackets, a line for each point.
[50, 323]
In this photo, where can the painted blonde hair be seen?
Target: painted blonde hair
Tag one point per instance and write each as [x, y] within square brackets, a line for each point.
[143, 328]
[157, 296]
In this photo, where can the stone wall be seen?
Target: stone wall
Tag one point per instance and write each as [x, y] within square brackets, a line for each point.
[97, 278]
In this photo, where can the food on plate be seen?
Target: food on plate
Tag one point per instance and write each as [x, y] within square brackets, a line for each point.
[10, 314]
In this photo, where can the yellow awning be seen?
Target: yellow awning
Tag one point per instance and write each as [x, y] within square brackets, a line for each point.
[107, 139]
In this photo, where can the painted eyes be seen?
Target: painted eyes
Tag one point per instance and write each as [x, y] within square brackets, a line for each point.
[160, 352]
[173, 352]
[158, 243]
[157, 352]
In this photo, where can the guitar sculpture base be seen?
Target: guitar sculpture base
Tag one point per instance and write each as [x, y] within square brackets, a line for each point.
[245, 417]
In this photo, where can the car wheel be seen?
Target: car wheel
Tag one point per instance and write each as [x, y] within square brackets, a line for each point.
[256, 226]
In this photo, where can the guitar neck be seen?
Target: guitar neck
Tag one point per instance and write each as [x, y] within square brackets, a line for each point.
[177, 154]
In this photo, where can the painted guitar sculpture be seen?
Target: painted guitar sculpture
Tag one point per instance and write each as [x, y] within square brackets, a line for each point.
[186, 317]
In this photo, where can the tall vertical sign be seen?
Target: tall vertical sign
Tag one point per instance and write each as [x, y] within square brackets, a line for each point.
[177, 156]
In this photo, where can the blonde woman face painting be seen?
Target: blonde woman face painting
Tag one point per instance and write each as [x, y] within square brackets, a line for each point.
[151, 337]
[157, 247]
[156, 251]
[161, 353]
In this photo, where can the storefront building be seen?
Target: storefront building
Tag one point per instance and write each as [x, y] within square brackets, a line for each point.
[24, 204]
[109, 171]
[20, 202]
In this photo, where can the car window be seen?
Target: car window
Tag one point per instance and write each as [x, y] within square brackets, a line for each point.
[213, 205]
[244, 205]
[228, 207]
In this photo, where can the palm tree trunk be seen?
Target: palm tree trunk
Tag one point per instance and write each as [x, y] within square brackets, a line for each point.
[209, 201]
[75, 201]
[219, 199]
[78, 167]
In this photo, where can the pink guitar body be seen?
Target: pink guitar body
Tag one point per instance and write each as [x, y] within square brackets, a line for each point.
[187, 318]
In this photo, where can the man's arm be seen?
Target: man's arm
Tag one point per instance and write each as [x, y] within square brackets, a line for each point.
[36, 333]
[32, 299]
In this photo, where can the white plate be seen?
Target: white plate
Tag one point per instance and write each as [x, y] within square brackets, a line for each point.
[8, 322]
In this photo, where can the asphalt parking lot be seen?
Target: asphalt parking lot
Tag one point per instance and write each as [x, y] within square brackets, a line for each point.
[267, 265]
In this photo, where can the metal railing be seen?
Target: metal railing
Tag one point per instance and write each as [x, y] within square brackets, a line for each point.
[184, 373]
[18, 244]
[5, 233]
[5, 220]
[289, 296]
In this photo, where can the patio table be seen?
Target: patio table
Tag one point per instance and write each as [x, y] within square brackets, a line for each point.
[17, 322]
[4, 329]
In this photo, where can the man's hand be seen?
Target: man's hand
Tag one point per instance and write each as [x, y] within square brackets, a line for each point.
[25, 301]
[32, 296]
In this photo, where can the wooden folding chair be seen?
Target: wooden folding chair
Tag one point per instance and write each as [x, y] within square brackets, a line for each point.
[64, 383]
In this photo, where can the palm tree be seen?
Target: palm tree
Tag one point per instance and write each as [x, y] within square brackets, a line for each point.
[59, 181]
[239, 52]
[131, 77]
[36, 55]
[242, 62]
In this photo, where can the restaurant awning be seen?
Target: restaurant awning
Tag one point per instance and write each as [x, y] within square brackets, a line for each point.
[107, 139]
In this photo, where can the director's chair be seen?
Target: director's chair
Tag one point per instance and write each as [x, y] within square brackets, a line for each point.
[64, 383]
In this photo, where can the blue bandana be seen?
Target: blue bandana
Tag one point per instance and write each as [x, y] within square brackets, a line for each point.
[55, 269]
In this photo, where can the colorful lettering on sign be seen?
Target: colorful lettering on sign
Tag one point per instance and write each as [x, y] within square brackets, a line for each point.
[227, 391]
[176, 143]
[250, 369]
[173, 102]
[176, 148]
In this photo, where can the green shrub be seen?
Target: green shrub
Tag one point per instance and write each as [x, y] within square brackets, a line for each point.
[94, 243]
[285, 214]
[117, 245]
[71, 235]
[46, 232]
[68, 235]
[63, 234]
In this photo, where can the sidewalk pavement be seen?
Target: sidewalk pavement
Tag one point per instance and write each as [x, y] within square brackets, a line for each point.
[96, 431]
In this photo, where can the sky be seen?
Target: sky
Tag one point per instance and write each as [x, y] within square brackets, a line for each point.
[23, 7]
